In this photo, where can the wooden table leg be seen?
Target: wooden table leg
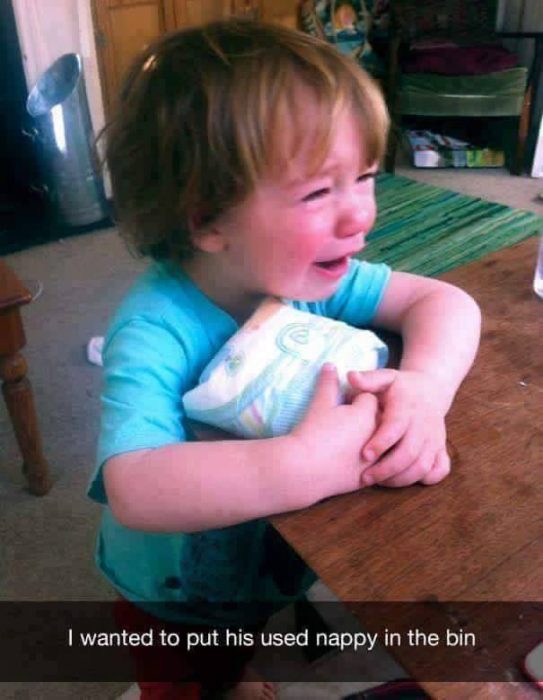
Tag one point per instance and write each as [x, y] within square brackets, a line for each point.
[19, 400]
[15, 384]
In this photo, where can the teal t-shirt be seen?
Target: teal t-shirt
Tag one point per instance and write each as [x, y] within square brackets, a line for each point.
[160, 340]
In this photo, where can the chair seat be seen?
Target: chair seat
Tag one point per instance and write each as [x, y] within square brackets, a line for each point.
[492, 95]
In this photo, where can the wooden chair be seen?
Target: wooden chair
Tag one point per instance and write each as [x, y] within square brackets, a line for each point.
[15, 384]
[448, 24]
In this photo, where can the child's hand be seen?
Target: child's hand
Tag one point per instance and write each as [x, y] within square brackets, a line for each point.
[409, 443]
[330, 436]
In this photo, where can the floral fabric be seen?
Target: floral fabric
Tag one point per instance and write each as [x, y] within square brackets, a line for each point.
[348, 24]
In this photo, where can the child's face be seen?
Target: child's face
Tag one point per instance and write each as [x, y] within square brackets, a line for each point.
[294, 234]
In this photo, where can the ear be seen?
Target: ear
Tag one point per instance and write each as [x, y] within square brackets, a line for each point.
[206, 237]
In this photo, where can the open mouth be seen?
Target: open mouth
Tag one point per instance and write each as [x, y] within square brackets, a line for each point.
[333, 265]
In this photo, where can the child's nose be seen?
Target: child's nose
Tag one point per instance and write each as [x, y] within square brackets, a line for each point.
[355, 218]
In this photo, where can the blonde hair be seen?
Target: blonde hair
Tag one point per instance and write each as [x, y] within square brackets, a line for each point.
[203, 115]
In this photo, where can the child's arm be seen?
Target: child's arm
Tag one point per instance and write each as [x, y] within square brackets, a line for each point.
[197, 486]
[440, 326]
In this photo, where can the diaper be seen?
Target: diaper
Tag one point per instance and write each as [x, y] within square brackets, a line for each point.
[260, 383]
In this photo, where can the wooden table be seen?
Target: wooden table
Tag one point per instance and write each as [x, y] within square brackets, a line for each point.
[16, 387]
[478, 536]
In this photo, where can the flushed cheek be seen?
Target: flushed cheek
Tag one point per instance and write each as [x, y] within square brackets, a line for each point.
[305, 250]
[367, 214]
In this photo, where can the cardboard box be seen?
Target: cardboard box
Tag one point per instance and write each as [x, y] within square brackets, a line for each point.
[431, 150]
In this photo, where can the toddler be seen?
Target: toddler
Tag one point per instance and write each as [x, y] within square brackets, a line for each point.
[243, 159]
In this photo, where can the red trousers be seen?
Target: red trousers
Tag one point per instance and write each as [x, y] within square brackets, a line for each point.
[173, 673]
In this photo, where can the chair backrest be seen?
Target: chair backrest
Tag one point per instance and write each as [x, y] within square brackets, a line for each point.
[466, 20]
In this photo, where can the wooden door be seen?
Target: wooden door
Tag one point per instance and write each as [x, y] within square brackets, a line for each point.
[280, 12]
[276, 11]
[194, 12]
[191, 13]
[122, 28]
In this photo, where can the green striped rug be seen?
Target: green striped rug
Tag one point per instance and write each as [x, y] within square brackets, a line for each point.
[428, 230]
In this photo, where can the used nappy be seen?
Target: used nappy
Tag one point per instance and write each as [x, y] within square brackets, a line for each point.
[261, 382]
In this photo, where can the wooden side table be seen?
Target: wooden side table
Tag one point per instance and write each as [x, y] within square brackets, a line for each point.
[16, 387]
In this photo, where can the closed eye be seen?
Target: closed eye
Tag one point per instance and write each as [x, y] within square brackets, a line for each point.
[316, 194]
[366, 176]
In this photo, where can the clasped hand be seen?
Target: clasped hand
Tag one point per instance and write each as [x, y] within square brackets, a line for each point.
[409, 443]
[391, 433]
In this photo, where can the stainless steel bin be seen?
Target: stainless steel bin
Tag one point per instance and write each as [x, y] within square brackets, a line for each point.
[65, 143]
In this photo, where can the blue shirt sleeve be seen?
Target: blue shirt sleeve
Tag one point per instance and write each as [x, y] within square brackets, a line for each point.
[145, 373]
[359, 295]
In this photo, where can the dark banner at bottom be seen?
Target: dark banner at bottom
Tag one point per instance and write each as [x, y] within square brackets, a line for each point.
[435, 641]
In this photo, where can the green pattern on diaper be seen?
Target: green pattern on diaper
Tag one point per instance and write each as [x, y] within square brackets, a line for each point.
[222, 415]
[275, 400]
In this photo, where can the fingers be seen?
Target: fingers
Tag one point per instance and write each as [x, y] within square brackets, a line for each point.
[408, 462]
[414, 473]
[374, 381]
[368, 406]
[440, 469]
[423, 470]
[393, 426]
[327, 391]
[366, 402]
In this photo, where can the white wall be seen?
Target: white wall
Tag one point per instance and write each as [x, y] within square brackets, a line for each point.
[48, 29]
